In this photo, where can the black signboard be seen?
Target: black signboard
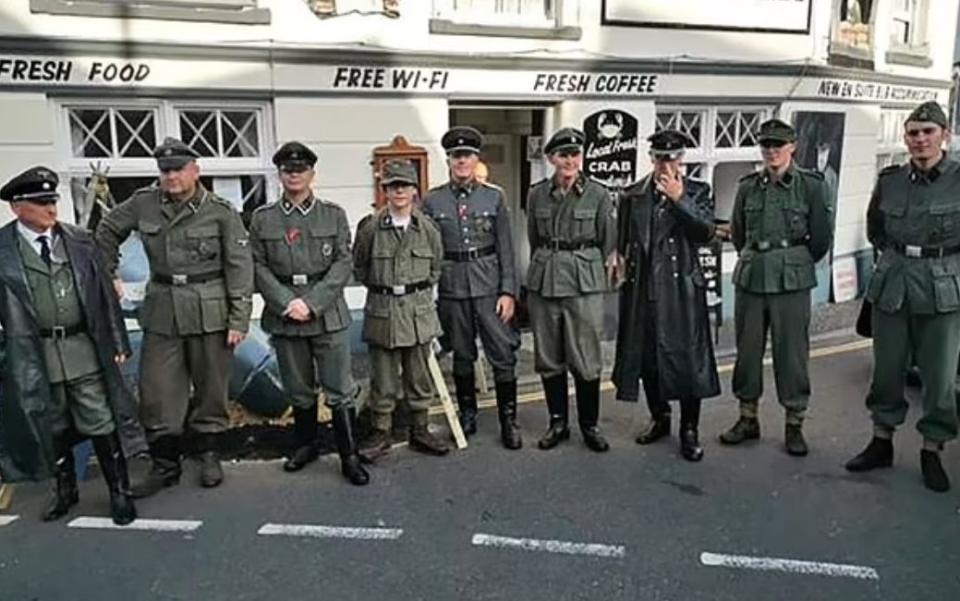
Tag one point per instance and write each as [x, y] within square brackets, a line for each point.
[709, 256]
[610, 150]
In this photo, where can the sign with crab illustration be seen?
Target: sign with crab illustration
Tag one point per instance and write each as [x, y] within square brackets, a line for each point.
[610, 149]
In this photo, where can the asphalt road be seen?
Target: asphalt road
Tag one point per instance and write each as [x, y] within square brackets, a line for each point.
[486, 523]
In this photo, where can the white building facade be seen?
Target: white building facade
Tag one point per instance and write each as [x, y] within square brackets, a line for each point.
[100, 82]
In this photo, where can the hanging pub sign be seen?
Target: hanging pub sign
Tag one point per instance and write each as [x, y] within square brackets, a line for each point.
[610, 148]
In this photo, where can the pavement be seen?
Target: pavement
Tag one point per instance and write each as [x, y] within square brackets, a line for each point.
[638, 523]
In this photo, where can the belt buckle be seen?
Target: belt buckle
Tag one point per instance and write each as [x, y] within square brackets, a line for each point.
[784, 244]
[763, 245]
[555, 244]
[59, 332]
[399, 290]
[299, 279]
[473, 253]
[179, 279]
[912, 251]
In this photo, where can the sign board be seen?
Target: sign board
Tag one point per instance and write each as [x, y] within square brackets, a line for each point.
[610, 148]
[845, 280]
[786, 16]
[709, 257]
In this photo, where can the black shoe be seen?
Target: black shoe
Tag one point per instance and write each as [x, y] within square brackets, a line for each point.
[507, 410]
[344, 429]
[211, 473]
[301, 457]
[113, 466]
[557, 432]
[65, 494]
[934, 477]
[374, 446]
[466, 388]
[879, 453]
[746, 428]
[593, 438]
[690, 448]
[558, 403]
[423, 441]
[305, 433]
[659, 427]
[793, 440]
[164, 469]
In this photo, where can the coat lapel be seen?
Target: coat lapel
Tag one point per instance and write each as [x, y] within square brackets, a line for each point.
[12, 274]
[80, 253]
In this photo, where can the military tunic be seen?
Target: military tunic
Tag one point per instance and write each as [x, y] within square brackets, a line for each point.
[399, 267]
[914, 221]
[781, 229]
[478, 268]
[201, 286]
[571, 234]
[303, 251]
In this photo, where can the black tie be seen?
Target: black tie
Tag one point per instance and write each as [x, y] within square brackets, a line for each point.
[44, 249]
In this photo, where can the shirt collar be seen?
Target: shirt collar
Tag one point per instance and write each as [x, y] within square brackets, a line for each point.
[786, 180]
[466, 188]
[931, 175]
[194, 202]
[303, 208]
[33, 237]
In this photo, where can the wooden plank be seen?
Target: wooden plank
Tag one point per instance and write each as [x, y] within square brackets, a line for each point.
[446, 403]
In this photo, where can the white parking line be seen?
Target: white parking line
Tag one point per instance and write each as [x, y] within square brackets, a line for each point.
[549, 546]
[8, 519]
[789, 565]
[139, 524]
[317, 531]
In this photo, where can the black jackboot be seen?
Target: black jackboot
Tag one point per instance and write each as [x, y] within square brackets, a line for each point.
[113, 466]
[305, 433]
[588, 414]
[466, 386]
[211, 473]
[690, 447]
[659, 426]
[65, 493]
[507, 409]
[164, 470]
[879, 453]
[344, 429]
[555, 390]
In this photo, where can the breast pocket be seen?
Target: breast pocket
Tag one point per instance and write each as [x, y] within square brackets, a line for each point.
[420, 263]
[544, 219]
[797, 218]
[203, 243]
[323, 244]
[585, 224]
[152, 240]
[946, 222]
[753, 213]
[483, 226]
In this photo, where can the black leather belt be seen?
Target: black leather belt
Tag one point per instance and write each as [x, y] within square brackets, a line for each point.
[400, 290]
[924, 252]
[765, 245]
[61, 332]
[301, 279]
[468, 255]
[566, 245]
[182, 279]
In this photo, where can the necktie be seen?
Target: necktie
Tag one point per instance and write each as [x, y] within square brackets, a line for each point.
[44, 249]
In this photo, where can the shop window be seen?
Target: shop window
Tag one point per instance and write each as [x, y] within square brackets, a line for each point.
[225, 11]
[688, 122]
[852, 23]
[737, 129]
[890, 146]
[220, 133]
[112, 132]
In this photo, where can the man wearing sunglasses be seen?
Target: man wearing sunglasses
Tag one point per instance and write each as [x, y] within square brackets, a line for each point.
[302, 261]
[913, 220]
[571, 226]
[479, 283]
[781, 227]
[195, 313]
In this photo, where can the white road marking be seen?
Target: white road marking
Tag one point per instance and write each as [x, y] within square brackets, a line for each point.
[789, 565]
[139, 524]
[8, 519]
[549, 546]
[317, 531]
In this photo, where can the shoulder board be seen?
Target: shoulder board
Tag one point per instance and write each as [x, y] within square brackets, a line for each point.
[437, 188]
[265, 207]
[330, 204]
[890, 169]
[541, 182]
[810, 173]
[221, 201]
[146, 189]
[750, 176]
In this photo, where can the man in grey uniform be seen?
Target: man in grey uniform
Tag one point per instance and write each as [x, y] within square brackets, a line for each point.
[478, 285]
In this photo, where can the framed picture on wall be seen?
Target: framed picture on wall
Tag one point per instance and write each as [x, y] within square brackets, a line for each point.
[399, 148]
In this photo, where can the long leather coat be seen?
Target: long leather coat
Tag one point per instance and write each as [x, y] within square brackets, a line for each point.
[661, 251]
[26, 443]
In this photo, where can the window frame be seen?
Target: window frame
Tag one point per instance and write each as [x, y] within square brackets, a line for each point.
[447, 10]
[245, 12]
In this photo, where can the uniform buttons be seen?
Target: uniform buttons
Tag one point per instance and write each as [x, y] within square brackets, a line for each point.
[676, 275]
[671, 240]
[673, 258]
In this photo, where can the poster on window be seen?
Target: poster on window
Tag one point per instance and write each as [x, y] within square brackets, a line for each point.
[820, 147]
[788, 16]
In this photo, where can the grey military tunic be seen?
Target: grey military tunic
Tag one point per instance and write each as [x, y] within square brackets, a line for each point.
[303, 251]
[571, 235]
[478, 268]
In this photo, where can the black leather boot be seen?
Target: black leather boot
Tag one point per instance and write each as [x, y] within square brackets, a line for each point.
[879, 453]
[659, 426]
[344, 429]
[164, 470]
[211, 473]
[690, 448]
[305, 433]
[507, 410]
[934, 477]
[113, 466]
[65, 494]
[466, 386]
[588, 414]
[555, 391]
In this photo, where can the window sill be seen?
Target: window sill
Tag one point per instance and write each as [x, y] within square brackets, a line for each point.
[447, 27]
[80, 8]
[845, 55]
[914, 56]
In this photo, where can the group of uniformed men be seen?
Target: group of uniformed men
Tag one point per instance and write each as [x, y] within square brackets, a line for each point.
[64, 337]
